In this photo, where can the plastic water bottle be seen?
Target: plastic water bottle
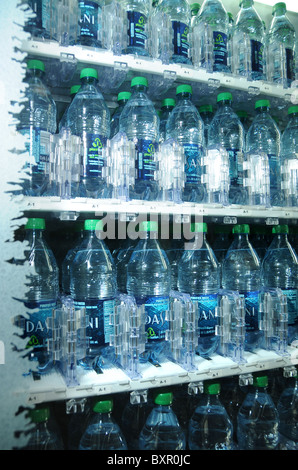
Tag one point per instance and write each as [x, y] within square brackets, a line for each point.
[39, 25]
[280, 270]
[213, 25]
[137, 20]
[88, 117]
[264, 136]
[42, 436]
[248, 39]
[221, 244]
[227, 132]
[241, 272]
[67, 261]
[162, 430]
[122, 257]
[102, 432]
[37, 121]
[179, 15]
[140, 122]
[287, 408]
[259, 240]
[90, 23]
[210, 427]
[244, 119]
[149, 281]
[167, 106]
[133, 420]
[206, 113]
[194, 9]
[63, 121]
[174, 252]
[93, 285]
[186, 126]
[122, 99]
[281, 47]
[232, 396]
[257, 421]
[199, 276]
[289, 160]
[42, 294]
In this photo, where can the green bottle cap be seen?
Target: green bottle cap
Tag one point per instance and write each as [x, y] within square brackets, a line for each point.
[39, 415]
[93, 224]
[206, 108]
[199, 227]
[262, 104]
[293, 109]
[36, 65]
[165, 398]
[194, 8]
[123, 95]
[224, 97]
[278, 6]
[280, 229]
[241, 228]
[211, 388]
[148, 226]
[260, 381]
[183, 89]
[74, 89]
[35, 223]
[168, 102]
[89, 72]
[103, 406]
[139, 81]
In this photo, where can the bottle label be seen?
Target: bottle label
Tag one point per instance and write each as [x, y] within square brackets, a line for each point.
[206, 312]
[37, 326]
[220, 48]
[257, 56]
[136, 29]
[155, 316]
[290, 64]
[88, 19]
[292, 300]
[93, 150]
[99, 313]
[193, 154]
[236, 167]
[180, 39]
[38, 146]
[251, 310]
[145, 161]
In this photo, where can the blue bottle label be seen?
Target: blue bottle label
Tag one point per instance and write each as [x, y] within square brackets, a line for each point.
[251, 310]
[145, 159]
[193, 155]
[257, 56]
[38, 146]
[99, 313]
[290, 64]
[180, 38]
[155, 313]
[93, 155]
[136, 29]
[292, 300]
[236, 167]
[88, 19]
[37, 326]
[206, 312]
[220, 48]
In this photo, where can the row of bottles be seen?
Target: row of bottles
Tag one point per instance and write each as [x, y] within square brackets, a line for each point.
[205, 36]
[256, 413]
[92, 279]
[137, 155]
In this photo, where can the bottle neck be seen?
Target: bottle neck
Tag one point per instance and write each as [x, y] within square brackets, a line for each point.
[33, 235]
[246, 3]
[33, 74]
[139, 89]
[224, 105]
[89, 81]
[150, 235]
[184, 96]
[280, 11]
[263, 110]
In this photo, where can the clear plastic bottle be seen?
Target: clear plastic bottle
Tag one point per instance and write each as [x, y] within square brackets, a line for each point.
[39, 25]
[199, 276]
[289, 160]
[210, 427]
[149, 281]
[244, 118]
[241, 272]
[133, 420]
[213, 25]
[232, 396]
[37, 121]
[227, 132]
[287, 408]
[264, 136]
[280, 270]
[68, 259]
[186, 126]
[194, 8]
[63, 121]
[122, 99]
[90, 23]
[221, 244]
[122, 257]
[137, 21]
[93, 285]
[167, 106]
[248, 39]
[257, 421]
[42, 436]
[42, 294]
[102, 432]
[140, 122]
[88, 117]
[174, 251]
[206, 113]
[259, 240]
[162, 430]
[281, 47]
[179, 14]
